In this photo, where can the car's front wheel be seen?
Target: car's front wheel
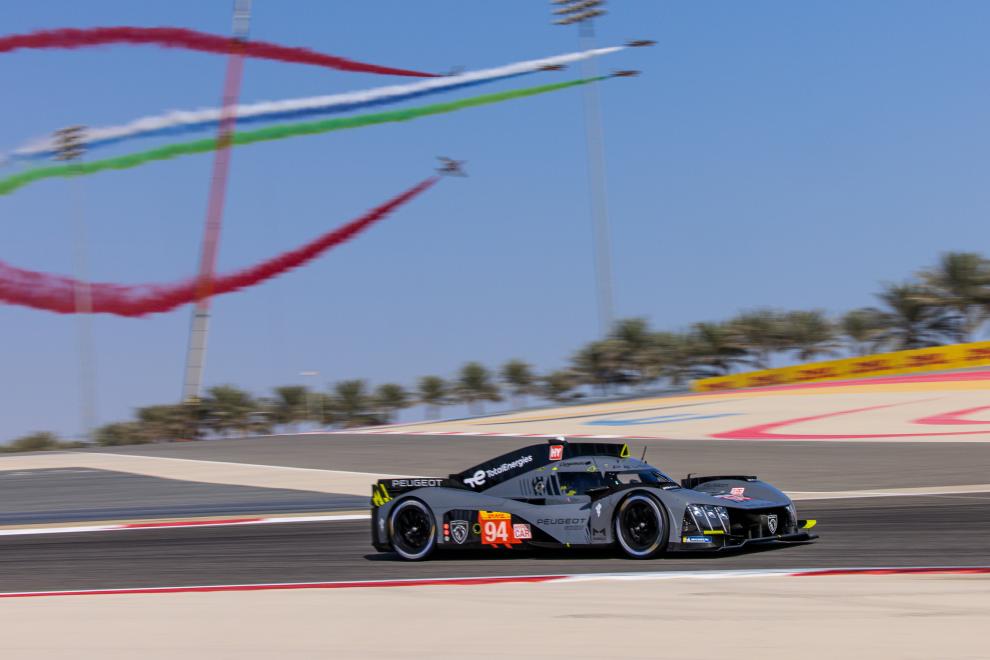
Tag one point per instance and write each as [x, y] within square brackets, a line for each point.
[641, 526]
[412, 530]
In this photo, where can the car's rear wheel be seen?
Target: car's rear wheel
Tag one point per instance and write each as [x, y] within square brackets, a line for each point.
[641, 526]
[412, 530]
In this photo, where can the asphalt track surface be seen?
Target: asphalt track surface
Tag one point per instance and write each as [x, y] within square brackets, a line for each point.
[894, 531]
[76, 494]
[797, 466]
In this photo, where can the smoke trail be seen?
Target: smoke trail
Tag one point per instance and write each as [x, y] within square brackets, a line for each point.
[169, 37]
[183, 121]
[282, 131]
[55, 292]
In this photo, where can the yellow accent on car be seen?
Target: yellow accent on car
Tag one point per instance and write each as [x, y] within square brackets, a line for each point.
[624, 452]
[808, 524]
[714, 532]
[380, 495]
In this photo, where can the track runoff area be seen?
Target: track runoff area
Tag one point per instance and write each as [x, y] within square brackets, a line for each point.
[903, 546]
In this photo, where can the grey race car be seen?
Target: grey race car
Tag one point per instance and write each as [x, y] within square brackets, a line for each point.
[564, 494]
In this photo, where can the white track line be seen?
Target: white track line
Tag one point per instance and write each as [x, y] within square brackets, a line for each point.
[541, 579]
[274, 520]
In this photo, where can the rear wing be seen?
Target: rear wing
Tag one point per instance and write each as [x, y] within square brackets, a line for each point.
[385, 490]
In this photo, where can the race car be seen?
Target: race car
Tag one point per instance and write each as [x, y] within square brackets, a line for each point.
[577, 495]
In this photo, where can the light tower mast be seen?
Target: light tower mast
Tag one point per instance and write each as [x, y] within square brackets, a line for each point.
[583, 13]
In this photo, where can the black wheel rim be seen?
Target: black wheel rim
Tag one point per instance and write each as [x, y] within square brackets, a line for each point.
[412, 530]
[640, 526]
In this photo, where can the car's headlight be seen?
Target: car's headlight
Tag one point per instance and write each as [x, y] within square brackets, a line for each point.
[709, 518]
[792, 511]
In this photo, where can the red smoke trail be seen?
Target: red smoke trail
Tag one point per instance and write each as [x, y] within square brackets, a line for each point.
[169, 37]
[55, 293]
[218, 185]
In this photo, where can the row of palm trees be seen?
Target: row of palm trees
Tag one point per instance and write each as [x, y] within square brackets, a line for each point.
[228, 410]
[946, 303]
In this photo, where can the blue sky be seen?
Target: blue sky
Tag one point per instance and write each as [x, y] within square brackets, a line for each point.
[773, 153]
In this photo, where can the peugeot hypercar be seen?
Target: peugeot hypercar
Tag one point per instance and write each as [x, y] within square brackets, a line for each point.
[564, 494]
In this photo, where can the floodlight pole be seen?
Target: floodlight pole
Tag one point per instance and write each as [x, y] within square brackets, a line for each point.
[311, 397]
[70, 147]
[583, 12]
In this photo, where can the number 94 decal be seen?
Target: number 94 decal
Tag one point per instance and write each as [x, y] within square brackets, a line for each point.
[497, 529]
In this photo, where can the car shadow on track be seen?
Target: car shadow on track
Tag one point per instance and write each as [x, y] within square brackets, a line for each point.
[557, 554]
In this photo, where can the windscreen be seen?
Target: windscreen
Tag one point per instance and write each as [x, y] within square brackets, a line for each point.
[633, 477]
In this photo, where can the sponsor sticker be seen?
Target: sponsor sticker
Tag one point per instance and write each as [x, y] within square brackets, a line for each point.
[481, 476]
[556, 452]
[497, 528]
[597, 533]
[476, 479]
[772, 523]
[522, 531]
[598, 510]
[696, 539]
[736, 495]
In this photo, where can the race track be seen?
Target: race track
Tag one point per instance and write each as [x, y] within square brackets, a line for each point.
[892, 531]
[276, 589]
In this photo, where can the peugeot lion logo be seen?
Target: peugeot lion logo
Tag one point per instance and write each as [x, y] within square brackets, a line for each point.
[772, 523]
[459, 530]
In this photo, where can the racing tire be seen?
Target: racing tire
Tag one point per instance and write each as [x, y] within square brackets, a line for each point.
[412, 530]
[641, 527]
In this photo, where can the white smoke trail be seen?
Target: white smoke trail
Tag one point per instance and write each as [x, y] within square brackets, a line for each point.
[178, 120]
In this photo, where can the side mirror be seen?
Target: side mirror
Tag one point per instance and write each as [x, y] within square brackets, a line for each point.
[598, 492]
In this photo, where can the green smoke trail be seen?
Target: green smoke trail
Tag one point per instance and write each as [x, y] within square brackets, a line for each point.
[279, 132]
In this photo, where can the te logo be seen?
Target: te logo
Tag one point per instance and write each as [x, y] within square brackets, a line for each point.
[476, 480]
[556, 452]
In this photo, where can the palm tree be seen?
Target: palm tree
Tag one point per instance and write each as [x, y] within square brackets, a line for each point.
[961, 282]
[475, 386]
[914, 321]
[390, 398]
[171, 422]
[597, 364]
[716, 348]
[119, 433]
[676, 356]
[520, 378]
[291, 405]
[37, 441]
[328, 408]
[229, 408]
[810, 333]
[633, 342]
[558, 386]
[433, 392]
[351, 403]
[761, 333]
[864, 329]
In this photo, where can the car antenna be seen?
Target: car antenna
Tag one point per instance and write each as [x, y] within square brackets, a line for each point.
[643, 457]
